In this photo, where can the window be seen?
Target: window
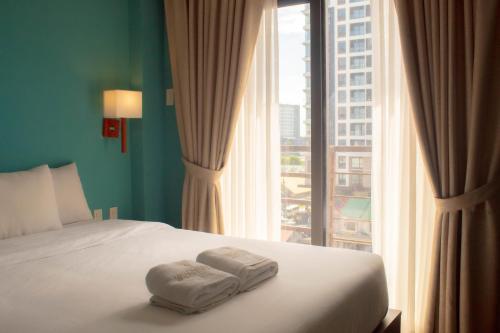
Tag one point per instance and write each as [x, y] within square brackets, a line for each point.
[357, 45]
[341, 31]
[355, 180]
[342, 129]
[368, 95]
[342, 63]
[357, 12]
[368, 112]
[357, 129]
[356, 163]
[341, 14]
[347, 199]
[368, 128]
[357, 29]
[341, 80]
[358, 95]
[358, 62]
[341, 112]
[295, 124]
[341, 162]
[357, 112]
[341, 179]
[341, 47]
[357, 79]
[342, 96]
[357, 142]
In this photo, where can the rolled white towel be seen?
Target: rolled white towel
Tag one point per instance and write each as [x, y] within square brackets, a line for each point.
[252, 269]
[189, 287]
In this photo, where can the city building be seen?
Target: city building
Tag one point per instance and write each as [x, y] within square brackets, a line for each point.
[349, 124]
[350, 60]
[289, 122]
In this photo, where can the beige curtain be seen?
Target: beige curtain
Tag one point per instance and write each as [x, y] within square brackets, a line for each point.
[452, 57]
[211, 44]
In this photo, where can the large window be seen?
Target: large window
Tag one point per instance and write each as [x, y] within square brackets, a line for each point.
[326, 176]
[358, 62]
[342, 129]
[357, 45]
[341, 47]
[342, 80]
[341, 162]
[358, 95]
[357, 112]
[341, 112]
[357, 12]
[295, 122]
[357, 129]
[341, 31]
[358, 79]
[357, 29]
[341, 63]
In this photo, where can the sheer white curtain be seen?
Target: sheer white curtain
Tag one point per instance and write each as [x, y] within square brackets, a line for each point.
[251, 181]
[402, 195]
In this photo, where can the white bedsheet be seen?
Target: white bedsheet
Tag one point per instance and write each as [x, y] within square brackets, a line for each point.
[89, 277]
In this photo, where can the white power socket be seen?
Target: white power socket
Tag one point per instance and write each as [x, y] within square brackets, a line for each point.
[113, 213]
[97, 214]
[169, 97]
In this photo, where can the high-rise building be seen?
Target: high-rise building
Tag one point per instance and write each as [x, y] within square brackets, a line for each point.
[349, 114]
[349, 131]
[353, 71]
[350, 163]
[289, 121]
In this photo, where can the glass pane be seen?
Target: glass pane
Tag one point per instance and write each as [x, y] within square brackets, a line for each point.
[349, 108]
[295, 121]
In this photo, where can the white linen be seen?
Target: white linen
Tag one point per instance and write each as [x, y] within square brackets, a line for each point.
[27, 203]
[250, 268]
[71, 202]
[89, 277]
[189, 287]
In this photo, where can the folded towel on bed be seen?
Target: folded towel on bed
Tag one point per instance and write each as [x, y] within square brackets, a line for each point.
[252, 269]
[189, 287]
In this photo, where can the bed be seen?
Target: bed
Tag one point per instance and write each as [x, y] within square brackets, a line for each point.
[89, 277]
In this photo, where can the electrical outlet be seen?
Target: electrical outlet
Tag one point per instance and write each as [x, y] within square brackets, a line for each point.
[113, 213]
[97, 214]
[169, 97]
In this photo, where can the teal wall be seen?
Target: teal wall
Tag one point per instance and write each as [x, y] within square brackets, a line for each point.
[56, 57]
[157, 180]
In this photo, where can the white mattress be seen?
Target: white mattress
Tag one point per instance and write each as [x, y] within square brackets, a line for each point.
[89, 277]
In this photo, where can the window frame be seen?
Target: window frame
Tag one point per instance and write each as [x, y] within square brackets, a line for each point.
[318, 117]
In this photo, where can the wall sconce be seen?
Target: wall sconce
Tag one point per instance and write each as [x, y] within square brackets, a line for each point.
[120, 104]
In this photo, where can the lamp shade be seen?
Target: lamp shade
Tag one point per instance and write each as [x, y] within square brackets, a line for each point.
[122, 104]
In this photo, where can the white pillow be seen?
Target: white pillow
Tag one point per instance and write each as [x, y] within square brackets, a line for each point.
[70, 198]
[27, 203]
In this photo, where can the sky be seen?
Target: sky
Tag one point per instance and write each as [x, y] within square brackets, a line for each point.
[291, 59]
